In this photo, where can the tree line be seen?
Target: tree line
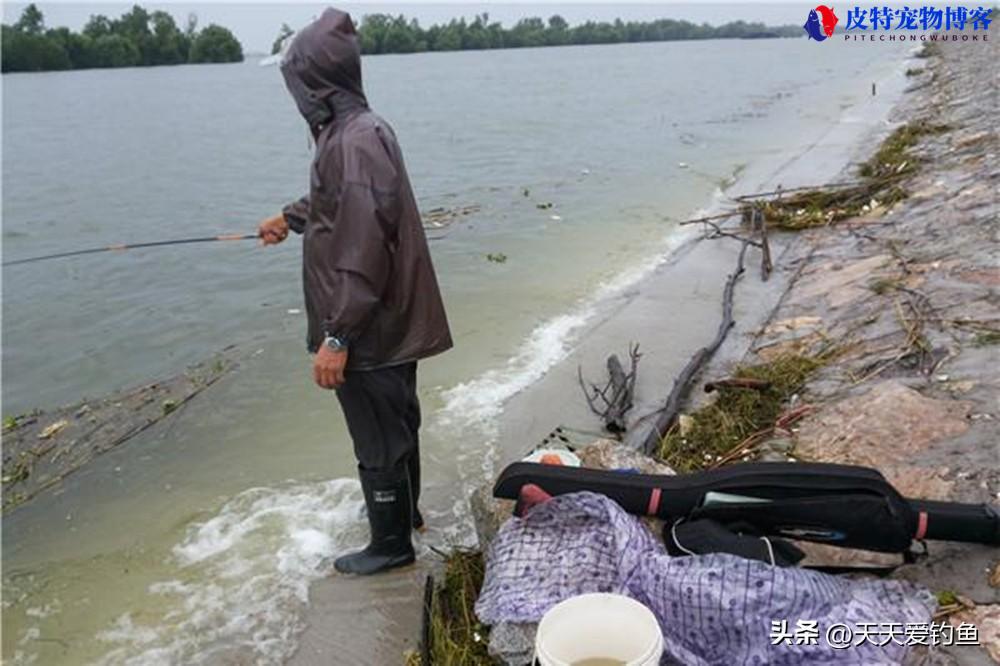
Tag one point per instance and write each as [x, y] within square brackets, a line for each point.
[136, 38]
[382, 33]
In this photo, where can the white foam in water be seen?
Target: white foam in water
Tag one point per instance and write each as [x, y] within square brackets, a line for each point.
[479, 401]
[243, 579]
[21, 658]
[476, 405]
[635, 274]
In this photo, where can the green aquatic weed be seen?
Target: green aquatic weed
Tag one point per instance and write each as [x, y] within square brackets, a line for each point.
[738, 413]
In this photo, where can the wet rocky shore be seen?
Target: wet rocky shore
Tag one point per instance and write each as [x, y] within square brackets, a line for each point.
[910, 292]
[900, 302]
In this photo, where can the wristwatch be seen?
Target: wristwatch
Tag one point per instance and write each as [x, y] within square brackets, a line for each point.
[334, 343]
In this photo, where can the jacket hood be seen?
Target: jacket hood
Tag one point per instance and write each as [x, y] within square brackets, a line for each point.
[322, 68]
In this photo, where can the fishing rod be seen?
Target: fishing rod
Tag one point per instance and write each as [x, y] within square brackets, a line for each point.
[133, 246]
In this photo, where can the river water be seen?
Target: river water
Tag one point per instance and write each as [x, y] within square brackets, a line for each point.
[198, 540]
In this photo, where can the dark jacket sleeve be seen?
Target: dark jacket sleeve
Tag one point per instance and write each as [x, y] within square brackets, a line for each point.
[354, 302]
[296, 214]
[367, 215]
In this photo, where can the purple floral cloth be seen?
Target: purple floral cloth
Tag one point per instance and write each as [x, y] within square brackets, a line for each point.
[712, 609]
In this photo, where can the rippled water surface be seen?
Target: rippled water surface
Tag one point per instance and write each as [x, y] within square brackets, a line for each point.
[197, 542]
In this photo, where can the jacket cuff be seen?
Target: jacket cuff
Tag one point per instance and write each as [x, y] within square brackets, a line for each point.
[296, 214]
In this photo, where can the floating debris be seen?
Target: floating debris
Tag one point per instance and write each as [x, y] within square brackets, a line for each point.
[877, 189]
[986, 338]
[52, 429]
[77, 433]
[437, 218]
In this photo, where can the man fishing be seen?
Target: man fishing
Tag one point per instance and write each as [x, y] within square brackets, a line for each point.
[371, 295]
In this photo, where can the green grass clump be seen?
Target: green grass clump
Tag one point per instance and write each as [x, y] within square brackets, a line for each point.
[457, 638]
[928, 50]
[884, 285]
[878, 186]
[16, 470]
[738, 413]
[986, 338]
[815, 208]
[893, 157]
[946, 598]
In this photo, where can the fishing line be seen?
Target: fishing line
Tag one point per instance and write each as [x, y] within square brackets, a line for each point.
[132, 246]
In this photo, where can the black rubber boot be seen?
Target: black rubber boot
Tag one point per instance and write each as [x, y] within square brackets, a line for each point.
[413, 468]
[387, 496]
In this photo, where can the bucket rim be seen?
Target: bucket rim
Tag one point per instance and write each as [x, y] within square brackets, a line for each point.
[654, 649]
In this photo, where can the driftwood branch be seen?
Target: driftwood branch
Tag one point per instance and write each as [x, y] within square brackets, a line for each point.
[753, 217]
[682, 385]
[715, 230]
[779, 191]
[738, 382]
[425, 620]
[614, 400]
[760, 226]
[707, 218]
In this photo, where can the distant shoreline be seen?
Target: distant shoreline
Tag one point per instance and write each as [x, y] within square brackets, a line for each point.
[136, 39]
[264, 59]
[553, 46]
[382, 33]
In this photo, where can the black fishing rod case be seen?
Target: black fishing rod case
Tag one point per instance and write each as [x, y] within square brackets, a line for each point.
[842, 505]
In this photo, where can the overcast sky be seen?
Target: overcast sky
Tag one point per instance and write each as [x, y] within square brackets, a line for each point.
[256, 24]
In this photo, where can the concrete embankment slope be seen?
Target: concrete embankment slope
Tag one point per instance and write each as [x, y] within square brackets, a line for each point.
[908, 294]
[912, 294]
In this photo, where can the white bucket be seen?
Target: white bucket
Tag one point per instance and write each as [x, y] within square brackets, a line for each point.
[590, 628]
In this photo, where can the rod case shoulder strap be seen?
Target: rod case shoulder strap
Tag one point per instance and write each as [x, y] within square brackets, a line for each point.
[700, 537]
